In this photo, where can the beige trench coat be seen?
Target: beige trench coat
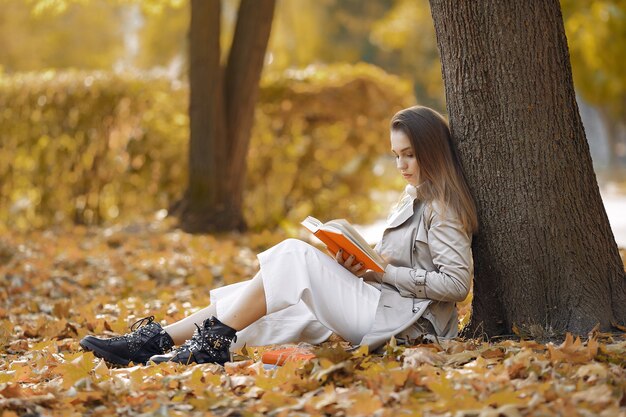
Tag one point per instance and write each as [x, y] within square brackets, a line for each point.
[430, 269]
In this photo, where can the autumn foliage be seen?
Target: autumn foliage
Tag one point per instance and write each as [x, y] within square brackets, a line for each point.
[85, 153]
[87, 148]
[58, 286]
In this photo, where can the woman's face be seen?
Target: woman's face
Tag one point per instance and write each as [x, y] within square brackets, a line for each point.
[406, 162]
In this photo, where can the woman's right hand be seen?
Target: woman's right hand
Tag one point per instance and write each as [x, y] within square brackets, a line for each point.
[357, 269]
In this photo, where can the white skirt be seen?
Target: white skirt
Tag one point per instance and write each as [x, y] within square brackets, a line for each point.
[308, 296]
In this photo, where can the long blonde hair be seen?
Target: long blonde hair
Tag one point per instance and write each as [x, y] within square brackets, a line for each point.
[439, 167]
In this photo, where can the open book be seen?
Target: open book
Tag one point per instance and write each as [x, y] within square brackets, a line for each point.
[340, 234]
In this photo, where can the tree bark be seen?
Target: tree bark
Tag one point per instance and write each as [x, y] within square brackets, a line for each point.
[221, 112]
[545, 254]
[245, 63]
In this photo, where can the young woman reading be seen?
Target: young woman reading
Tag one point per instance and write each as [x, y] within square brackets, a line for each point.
[300, 294]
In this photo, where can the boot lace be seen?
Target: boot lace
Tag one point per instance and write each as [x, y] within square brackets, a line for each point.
[134, 327]
[140, 330]
[141, 322]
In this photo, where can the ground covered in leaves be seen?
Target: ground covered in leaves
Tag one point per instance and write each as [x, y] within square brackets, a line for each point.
[57, 286]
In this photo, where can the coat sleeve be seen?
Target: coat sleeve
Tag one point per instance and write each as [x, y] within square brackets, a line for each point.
[450, 248]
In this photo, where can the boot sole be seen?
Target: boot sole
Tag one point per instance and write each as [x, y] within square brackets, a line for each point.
[107, 356]
[174, 359]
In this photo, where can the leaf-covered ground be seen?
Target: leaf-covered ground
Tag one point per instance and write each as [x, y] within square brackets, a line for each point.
[57, 286]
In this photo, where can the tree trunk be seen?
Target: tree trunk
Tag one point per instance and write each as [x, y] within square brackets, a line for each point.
[545, 254]
[245, 62]
[221, 112]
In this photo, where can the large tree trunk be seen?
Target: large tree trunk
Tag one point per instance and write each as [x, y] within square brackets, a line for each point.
[545, 254]
[221, 112]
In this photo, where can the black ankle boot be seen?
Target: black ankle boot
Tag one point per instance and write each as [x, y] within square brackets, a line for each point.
[147, 338]
[210, 343]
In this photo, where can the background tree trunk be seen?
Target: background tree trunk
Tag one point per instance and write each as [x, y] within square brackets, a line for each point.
[245, 63]
[221, 112]
[545, 254]
[611, 124]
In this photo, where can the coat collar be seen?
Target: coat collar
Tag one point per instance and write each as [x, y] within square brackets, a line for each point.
[405, 208]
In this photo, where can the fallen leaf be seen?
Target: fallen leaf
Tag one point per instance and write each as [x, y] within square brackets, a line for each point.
[413, 357]
[600, 394]
[505, 397]
[573, 351]
[364, 404]
[592, 372]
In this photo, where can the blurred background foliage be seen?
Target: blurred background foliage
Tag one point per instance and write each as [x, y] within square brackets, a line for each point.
[596, 32]
[93, 103]
[89, 147]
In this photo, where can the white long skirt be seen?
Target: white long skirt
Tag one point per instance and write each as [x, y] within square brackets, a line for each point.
[308, 296]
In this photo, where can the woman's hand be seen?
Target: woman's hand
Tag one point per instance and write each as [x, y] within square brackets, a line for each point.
[357, 269]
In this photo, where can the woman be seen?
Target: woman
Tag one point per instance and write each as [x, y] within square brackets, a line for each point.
[302, 295]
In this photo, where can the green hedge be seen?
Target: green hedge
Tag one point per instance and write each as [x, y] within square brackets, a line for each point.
[93, 147]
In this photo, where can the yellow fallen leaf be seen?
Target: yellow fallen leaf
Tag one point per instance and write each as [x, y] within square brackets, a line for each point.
[365, 404]
[46, 345]
[399, 376]
[508, 410]
[71, 374]
[101, 368]
[6, 377]
[592, 372]
[196, 382]
[599, 394]
[479, 365]
[505, 397]
[451, 398]
[274, 399]
[205, 402]
[362, 351]
[22, 374]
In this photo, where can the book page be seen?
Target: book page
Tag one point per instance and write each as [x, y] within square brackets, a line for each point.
[312, 224]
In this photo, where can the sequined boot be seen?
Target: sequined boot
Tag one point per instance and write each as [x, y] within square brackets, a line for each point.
[210, 343]
[147, 338]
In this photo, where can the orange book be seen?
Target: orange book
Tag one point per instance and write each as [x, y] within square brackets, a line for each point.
[340, 234]
[280, 356]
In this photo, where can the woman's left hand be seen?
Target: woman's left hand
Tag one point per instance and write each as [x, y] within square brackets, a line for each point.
[357, 269]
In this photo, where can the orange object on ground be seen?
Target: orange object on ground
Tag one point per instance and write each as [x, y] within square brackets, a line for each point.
[280, 356]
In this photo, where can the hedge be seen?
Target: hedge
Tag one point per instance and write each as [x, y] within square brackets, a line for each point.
[95, 147]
